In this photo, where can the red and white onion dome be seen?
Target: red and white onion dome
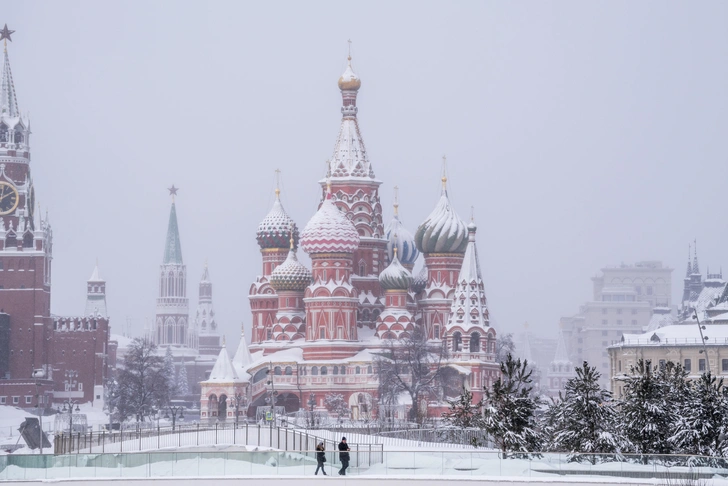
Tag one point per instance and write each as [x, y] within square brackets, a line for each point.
[395, 276]
[290, 275]
[275, 229]
[329, 231]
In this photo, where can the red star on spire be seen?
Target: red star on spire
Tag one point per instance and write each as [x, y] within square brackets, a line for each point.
[6, 33]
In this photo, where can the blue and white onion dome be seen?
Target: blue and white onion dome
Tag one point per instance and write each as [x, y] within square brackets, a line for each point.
[329, 231]
[291, 274]
[275, 229]
[395, 276]
[398, 237]
[443, 231]
[420, 281]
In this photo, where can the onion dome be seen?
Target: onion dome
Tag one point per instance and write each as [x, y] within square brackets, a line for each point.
[291, 274]
[329, 231]
[420, 281]
[349, 81]
[443, 231]
[398, 237]
[275, 229]
[395, 276]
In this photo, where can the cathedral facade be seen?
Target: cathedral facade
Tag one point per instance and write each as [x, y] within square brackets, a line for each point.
[318, 332]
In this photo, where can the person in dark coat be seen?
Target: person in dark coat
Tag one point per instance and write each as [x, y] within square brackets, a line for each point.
[320, 458]
[343, 456]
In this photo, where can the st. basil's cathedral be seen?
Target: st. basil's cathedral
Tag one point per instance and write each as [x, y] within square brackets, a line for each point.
[320, 331]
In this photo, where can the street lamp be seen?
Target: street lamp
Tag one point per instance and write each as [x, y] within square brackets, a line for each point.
[68, 408]
[311, 401]
[703, 339]
[272, 391]
[239, 401]
[175, 411]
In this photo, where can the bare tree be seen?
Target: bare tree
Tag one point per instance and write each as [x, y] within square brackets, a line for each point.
[143, 384]
[504, 346]
[411, 365]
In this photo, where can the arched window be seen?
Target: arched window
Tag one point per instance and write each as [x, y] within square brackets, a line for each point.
[343, 370]
[170, 284]
[28, 240]
[289, 370]
[456, 341]
[324, 370]
[314, 371]
[170, 334]
[362, 269]
[369, 369]
[277, 370]
[3, 133]
[475, 342]
[358, 370]
[19, 135]
[336, 370]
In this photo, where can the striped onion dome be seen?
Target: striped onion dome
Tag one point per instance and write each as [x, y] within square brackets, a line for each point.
[291, 274]
[398, 236]
[275, 229]
[443, 231]
[420, 281]
[329, 231]
[395, 276]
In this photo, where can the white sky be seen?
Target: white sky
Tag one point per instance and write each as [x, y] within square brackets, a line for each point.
[584, 133]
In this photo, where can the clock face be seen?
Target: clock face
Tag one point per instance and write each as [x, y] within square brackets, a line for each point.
[8, 198]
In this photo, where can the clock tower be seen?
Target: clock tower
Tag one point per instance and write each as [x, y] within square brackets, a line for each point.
[25, 244]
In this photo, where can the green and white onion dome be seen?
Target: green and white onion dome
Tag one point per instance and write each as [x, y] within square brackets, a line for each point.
[290, 275]
[443, 231]
[395, 276]
[275, 229]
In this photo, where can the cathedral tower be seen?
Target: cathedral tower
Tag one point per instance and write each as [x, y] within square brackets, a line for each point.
[355, 190]
[173, 313]
[96, 295]
[206, 331]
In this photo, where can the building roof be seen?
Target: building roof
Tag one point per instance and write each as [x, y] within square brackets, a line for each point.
[469, 305]
[275, 229]
[8, 100]
[329, 231]
[223, 371]
[242, 358]
[678, 334]
[443, 231]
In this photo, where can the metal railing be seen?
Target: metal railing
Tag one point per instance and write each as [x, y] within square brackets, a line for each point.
[394, 463]
[283, 438]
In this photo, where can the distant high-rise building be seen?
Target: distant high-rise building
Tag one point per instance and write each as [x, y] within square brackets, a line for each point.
[206, 330]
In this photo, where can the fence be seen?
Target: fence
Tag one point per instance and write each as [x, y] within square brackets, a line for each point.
[405, 463]
[286, 439]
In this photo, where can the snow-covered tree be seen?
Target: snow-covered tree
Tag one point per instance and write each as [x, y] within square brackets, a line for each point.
[183, 385]
[583, 420]
[646, 414]
[463, 412]
[335, 403]
[168, 371]
[504, 346]
[509, 407]
[701, 425]
[142, 383]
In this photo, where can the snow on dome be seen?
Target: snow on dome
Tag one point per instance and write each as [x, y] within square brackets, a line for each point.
[420, 281]
[291, 274]
[397, 235]
[443, 231]
[329, 231]
[395, 276]
[275, 229]
[349, 81]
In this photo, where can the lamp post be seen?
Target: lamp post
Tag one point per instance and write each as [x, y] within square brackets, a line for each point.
[38, 374]
[703, 339]
[239, 401]
[174, 411]
[68, 408]
[272, 391]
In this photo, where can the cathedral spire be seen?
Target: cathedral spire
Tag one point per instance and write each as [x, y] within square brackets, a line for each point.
[696, 268]
[8, 100]
[690, 267]
[173, 247]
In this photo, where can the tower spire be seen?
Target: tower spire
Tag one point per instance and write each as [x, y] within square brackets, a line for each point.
[173, 247]
[690, 267]
[444, 174]
[396, 202]
[278, 183]
[9, 101]
[696, 268]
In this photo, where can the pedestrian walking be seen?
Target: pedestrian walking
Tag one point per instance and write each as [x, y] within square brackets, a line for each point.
[320, 458]
[343, 456]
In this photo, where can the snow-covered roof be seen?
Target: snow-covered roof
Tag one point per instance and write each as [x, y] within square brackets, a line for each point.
[242, 358]
[678, 334]
[329, 231]
[223, 371]
[469, 306]
[123, 341]
[443, 231]
[561, 355]
[173, 246]
[398, 236]
[95, 277]
[660, 320]
[275, 229]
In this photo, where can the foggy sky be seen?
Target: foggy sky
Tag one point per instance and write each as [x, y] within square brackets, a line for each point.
[584, 134]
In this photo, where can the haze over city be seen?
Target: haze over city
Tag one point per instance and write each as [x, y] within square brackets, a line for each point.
[583, 136]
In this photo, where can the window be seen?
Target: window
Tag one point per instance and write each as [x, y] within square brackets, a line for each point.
[649, 290]
[16, 400]
[581, 340]
[277, 370]
[475, 342]
[269, 334]
[336, 370]
[456, 341]
[605, 354]
[619, 311]
[324, 370]
[342, 371]
[605, 322]
[634, 322]
[604, 310]
[322, 333]
[688, 365]
[619, 365]
[437, 332]
[605, 343]
[634, 311]
[638, 289]
[3, 400]
[701, 364]
[358, 370]
[289, 370]
[369, 369]
[28, 400]
[619, 322]
[724, 365]
[80, 386]
[605, 333]
[605, 365]
[314, 371]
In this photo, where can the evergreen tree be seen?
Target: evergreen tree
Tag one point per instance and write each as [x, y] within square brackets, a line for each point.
[168, 371]
[645, 411]
[183, 385]
[463, 412]
[584, 421]
[701, 427]
[508, 409]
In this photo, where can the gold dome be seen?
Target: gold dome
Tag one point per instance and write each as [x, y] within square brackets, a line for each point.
[349, 81]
